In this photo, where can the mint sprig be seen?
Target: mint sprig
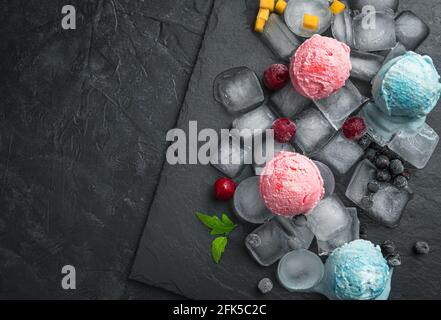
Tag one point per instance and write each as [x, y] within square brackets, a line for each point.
[219, 226]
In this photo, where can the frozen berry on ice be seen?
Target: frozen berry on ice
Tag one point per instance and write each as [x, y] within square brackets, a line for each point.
[284, 130]
[354, 128]
[276, 76]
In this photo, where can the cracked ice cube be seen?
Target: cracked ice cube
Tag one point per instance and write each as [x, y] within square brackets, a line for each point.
[338, 106]
[365, 65]
[258, 119]
[340, 154]
[313, 131]
[272, 240]
[388, 203]
[279, 38]
[374, 31]
[238, 90]
[288, 102]
[328, 218]
[348, 234]
[418, 149]
[248, 204]
[411, 31]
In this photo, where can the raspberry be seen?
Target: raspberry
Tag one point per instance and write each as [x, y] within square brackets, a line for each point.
[276, 76]
[224, 189]
[284, 130]
[354, 128]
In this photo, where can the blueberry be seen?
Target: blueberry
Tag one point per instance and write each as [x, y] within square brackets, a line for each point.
[383, 175]
[300, 220]
[364, 141]
[400, 182]
[421, 247]
[373, 186]
[367, 202]
[371, 154]
[396, 167]
[394, 259]
[265, 285]
[382, 162]
[407, 174]
[388, 247]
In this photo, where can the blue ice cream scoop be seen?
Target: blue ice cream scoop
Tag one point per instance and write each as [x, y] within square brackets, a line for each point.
[407, 86]
[358, 271]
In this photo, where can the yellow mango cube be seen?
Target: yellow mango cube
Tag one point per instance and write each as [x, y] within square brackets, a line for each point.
[263, 14]
[337, 7]
[267, 4]
[260, 25]
[310, 22]
[280, 6]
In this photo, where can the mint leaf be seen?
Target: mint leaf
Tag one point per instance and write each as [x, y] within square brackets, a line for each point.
[217, 226]
[209, 221]
[227, 221]
[218, 247]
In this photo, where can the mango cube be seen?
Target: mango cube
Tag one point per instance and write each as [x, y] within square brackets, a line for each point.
[310, 22]
[267, 4]
[337, 7]
[280, 6]
[263, 14]
[260, 25]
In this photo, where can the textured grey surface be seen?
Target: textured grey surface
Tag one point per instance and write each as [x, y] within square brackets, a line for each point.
[174, 251]
[83, 120]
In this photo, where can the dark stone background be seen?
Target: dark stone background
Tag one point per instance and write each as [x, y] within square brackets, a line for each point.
[82, 138]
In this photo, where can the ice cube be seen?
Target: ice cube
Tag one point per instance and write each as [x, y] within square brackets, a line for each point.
[287, 102]
[328, 218]
[379, 5]
[313, 130]
[396, 51]
[342, 27]
[296, 9]
[418, 149]
[388, 203]
[365, 65]
[328, 178]
[338, 106]
[230, 159]
[261, 119]
[276, 237]
[300, 271]
[340, 154]
[248, 204]
[262, 153]
[238, 90]
[279, 38]
[411, 31]
[348, 234]
[374, 31]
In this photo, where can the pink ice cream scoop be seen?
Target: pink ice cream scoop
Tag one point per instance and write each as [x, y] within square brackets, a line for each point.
[291, 184]
[319, 67]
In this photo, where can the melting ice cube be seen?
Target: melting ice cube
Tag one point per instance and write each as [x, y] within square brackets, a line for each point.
[411, 31]
[288, 102]
[261, 118]
[365, 65]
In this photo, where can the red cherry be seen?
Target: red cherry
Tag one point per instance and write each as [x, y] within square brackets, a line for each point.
[276, 76]
[284, 130]
[224, 189]
[354, 128]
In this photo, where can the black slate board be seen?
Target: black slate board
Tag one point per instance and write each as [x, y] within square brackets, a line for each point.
[174, 251]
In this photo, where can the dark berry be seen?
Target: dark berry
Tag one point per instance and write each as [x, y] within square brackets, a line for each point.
[396, 167]
[364, 141]
[354, 128]
[400, 182]
[394, 259]
[300, 220]
[421, 247]
[382, 162]
[407, 174]
[276, 76]
[265, 285]
[388, 247]
[367, 202]
[284, 130]
[371, 155]
[224, 189]
[373, 186]
[383, 175]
